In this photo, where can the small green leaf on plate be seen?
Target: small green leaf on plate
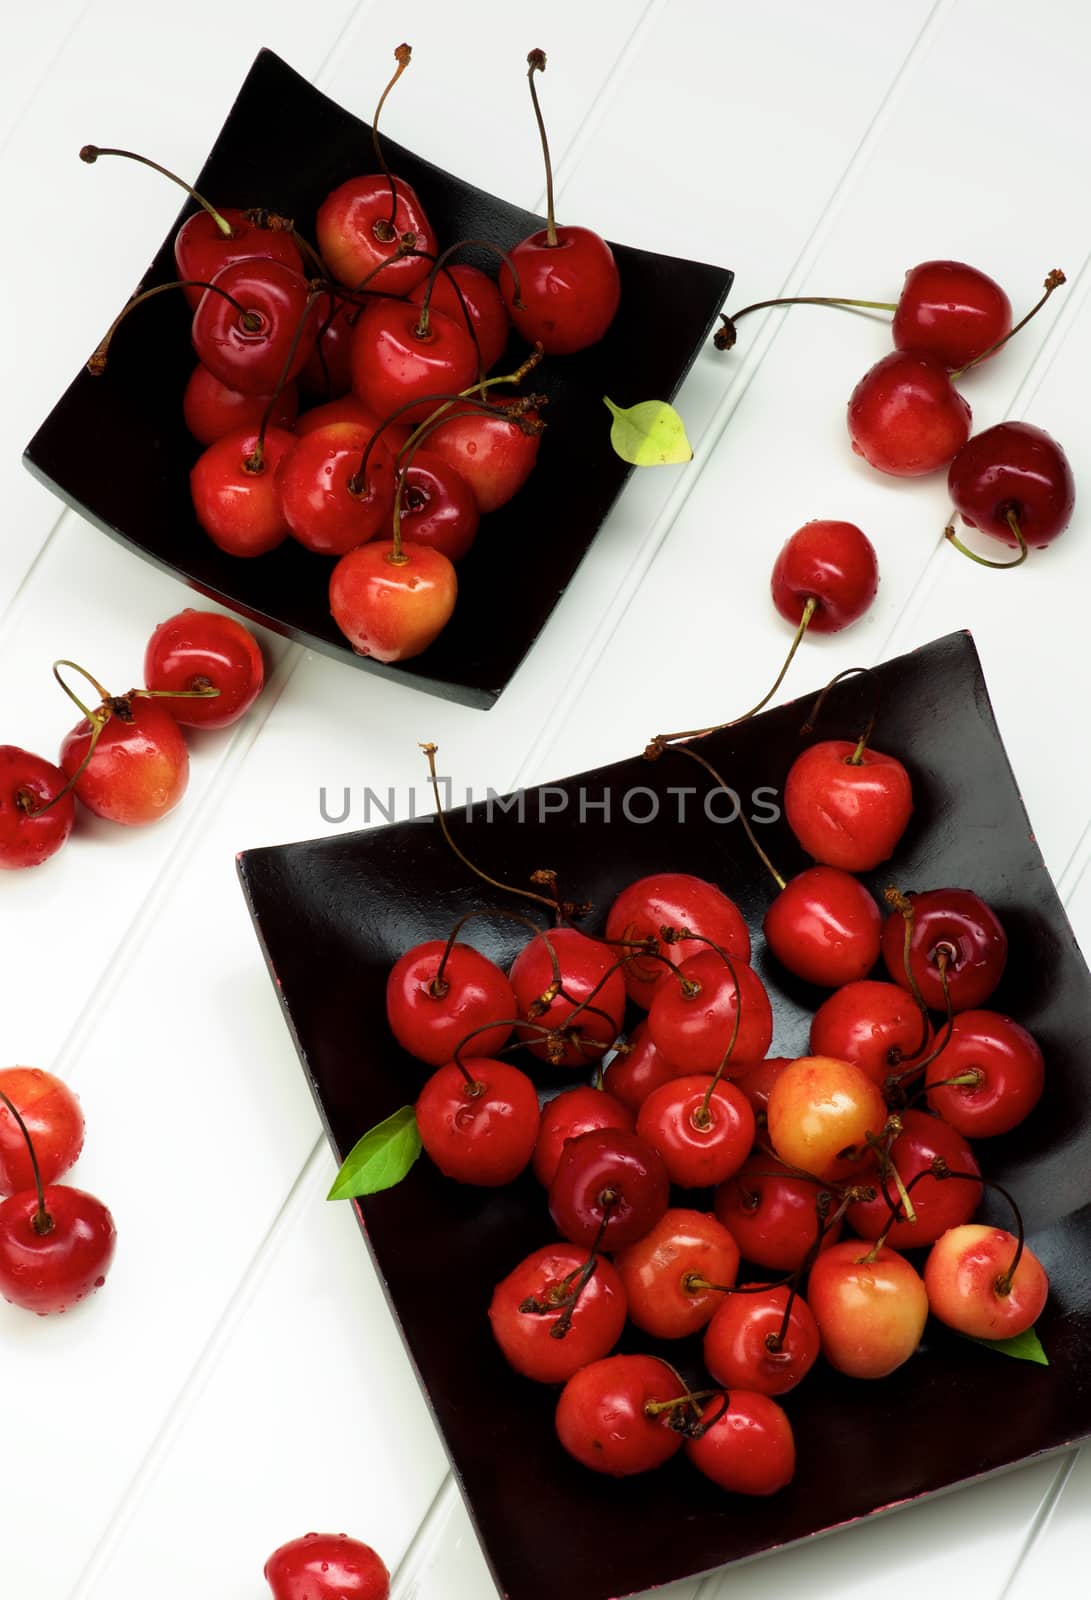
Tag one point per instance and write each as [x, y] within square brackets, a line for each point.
[650, 434]
[1024, 1347]
[380, 1159]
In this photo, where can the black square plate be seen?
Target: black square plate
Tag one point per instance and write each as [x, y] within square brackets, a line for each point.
[334, 914]
[117, 450]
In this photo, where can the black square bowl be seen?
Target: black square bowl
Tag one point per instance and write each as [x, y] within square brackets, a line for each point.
[116, 448]
[334, 914]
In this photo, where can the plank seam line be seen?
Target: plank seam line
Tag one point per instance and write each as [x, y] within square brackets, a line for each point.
[47, 71]
[1042, 1517]
[12, 606]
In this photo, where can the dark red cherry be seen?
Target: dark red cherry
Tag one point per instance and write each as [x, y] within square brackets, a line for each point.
[906, 417]
[833, 563]
[1004, 1069]
[478, 293]
[700, 1144]
[355, 235]
[49, 1264]
[53, 1120]
[202, 249]
[632, 1075]
[1014, 469]
[692, 1018]
[744, 1347]
[951, 312]
[605, 1416]
[824, 926]
[327, 373]
[549, 1285]
[771, 1214]
[876, 1026]
[211, 409]
[608, 1182]
[675, 900]
[749, 1449]
[27, 783]
[236, 496]
[959, 925]
[569, 289]
[757, 1082]
[327, 1566]
[847, 810]
[205, 649]
[480, 1131]
[584, 964]
[430, 1016]
[438, 506]
[938, 1204]
[395, 360]
[667, 1275]
[324, 507]
[566, 1116]
[247, 349]
[493, 455]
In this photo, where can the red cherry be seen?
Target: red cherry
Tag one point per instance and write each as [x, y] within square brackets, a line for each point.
[569, 289]
[140, 767]
[957, 925]
[824, 926]
[876, 1026]
[26, 784]
[939, 1204]
[870, 1314]
[749, 1449]
[584, 964]
[438, 506]
[832, 563]
[52, 1269]
[771, 1215]
[247, 349]
[692, 1023]
[355, 235]
[664, 1272]
[53, 1120]
[327, 373]
[971, 1286]
[566, 1116]
[481, 1130]
[820, 1114]
[199, 649]
[847, 812]
[906, 417]
[430, 1016]
[202, 249]
[699, 1146]
[482, 300]
[211, 409]
[494, 456]
[604, 1418]
[951, 312]
[549, 1278]
[327, 1566]
[1013, 468]
[391, 608]
[345, 409]
[237, 502]
[1008, 1069]
[743, 1344]
[632, 1076]
[757, 1082]
[611, 1183]
[672, 900]
[319, 497]
[395, 360]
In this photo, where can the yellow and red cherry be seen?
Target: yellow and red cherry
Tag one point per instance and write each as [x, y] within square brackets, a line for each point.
[327, 1566]
[1013, 482]
[870, 1313]
[244, 334]
[558, 1286]
[614, 1415]
[328, 507]
[772, 1214]
[937, 1204]
[675, 1276]
[438, 506]
[877, 1026]
[756, 1342]
[439, 993]
[357, 236]
[490, 453]
[138, 769]
[391, 602]
[672, 900]
[54, 1123]
[951, 312]
[847, 804]
[750, 1447]
[832, 563]
[478, 1121]
[212, 410]
[956, 936]
[566, 1116]
[988, 1076]
[703, 1130]
[692, 1019]
[984, 1282]
[36, 816]
[475, 291]
[820, 1114]
[633, 1074]
[591, 1005]
[610, 1189]
[235, 492]
[906, 417]
[824, 927]
[200, 650]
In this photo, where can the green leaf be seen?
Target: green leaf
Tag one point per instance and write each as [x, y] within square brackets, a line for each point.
[650, 434]
[1024, 1347]
[380, 1159]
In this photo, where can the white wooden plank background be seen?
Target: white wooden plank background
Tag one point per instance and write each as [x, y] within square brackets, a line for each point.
[201, 1409]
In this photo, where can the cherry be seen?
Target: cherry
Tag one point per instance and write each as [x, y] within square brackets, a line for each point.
[430, 1013]
[820, 1113]
[345, 409]
[54, 1251]
[391, 602]
[757, 1082]
[588, 973]
[1001, 1071]
[984, 1282]
[402, 353]
[1014, 483]
[327, 372]
[674, 1277]
[558, 1287]
[235, 492]
[847, 804]
[608, 1416]
[906, 417]
[954, 935]
[951, 312]
[326, 506]
[566, 1116]
[493, 455]
[749, 1449]
[870, 1312]
[703, 1129]
[53, 1120]
[139, 765]
[438, 506]
[824, 926]
[937, 1205]
[771, 1214]
[30, 833]
[479, 1121]
[327, 1566]
[245, 333]
[832, 563]
[674, 900]
[478, 293]
[755, 1342]
[692, 1019]
[877, 1026]
[610, 1187]
[211, 409]
[198, 650]
[631, 1076]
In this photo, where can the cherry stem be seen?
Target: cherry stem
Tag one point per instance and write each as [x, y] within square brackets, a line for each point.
[578, 1279]
[43, 1222]
[1012, 520]
[1053, 280]
[536, 62]
[655, 1408]
[402, 55]
[438, 987]
[917, 1067]
[941, 1170]
[255, 461]
[857, 757]
[695, 755]
[724, 338]
[902, 903]
[440, 265]
[96, 365]
[693, 1283]
[702, 1117]
[566, 910]
[91, 152]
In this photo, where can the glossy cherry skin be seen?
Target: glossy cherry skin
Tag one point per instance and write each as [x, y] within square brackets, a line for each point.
[847, 813]
[749, 1449]
[950, 311]
[602, 1416]
[52, 1271]
[355, 236]
[967, 1279]
[27, 782]
[199, 649]
[569, 291]
[675, 900]
[1010, 1073]
[238, 503]
[482, 300]
[757, 1082]
[694, 1030]
[201, 249]
[140, 768]
[961, 925]
[611, 1182]
[344, 409]
[327, 1566]
[393, 362]
[431, 1016]
[211, 409]
[870, 1315]
[877, 1026]
[584, 964]
[771, 1215]
[833, 563]
[438, 506]
[743, 1345]
[632, 1076]
[327, 374]
[663, 1272]
[388, 609]
[549, 1277]
[820, 1112]
[939, 1204]
[493, 455]
[699, 1148]
[824, 926]
[53, 1119]
[566, 1116]
[481, 1132]
[1019, 468]
[906, 417]
[252, 360]
[322, 506]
